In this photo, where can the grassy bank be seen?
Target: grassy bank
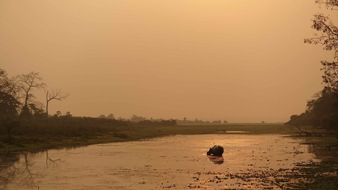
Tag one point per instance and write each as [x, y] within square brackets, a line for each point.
[37, 137]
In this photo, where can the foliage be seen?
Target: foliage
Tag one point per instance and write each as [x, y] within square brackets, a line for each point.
[322, 111]
[21, 116]
[60, 132]
[9, 105]
[328, 3]
[136, 118]
[17, 95]
[329, 39]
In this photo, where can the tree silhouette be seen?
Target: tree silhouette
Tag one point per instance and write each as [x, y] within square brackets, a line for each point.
[28, 83]
[54, 95]
[328, 38]
[8, 90]
[9, 105]
[322, 110]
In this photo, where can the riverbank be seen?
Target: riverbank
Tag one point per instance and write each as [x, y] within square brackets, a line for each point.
[259, 161]
[312, 175]
[68, 137]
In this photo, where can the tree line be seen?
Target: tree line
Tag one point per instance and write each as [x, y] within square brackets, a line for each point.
[20, 110]
[17, 99]
[322, 110]
[17, 95]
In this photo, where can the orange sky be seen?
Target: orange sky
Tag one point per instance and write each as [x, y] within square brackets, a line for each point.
[239, 60]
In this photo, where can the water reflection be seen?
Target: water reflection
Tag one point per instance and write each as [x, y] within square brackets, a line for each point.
[19, 170]
[152, 164]
[50, 161]
[216, 159]
[6, 172]
[16, 172]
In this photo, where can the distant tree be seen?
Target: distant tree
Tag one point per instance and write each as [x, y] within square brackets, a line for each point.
[36, 109]
[110, 116]
[217, 122]
[27, 84]
[102, 116]
[136, 118]
[57, 114]
[54, 95]
[68, 114]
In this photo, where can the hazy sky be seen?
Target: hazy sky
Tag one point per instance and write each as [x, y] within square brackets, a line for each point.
[239, 60]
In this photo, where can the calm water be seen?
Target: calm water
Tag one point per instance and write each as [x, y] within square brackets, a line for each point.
[174, 162]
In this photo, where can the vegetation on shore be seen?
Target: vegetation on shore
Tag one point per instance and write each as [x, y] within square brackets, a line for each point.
[26, 126]
[55, 132]
[66, 132]
[322, 110]
[73, 132]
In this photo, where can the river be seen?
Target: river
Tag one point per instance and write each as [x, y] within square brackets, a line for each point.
[172, 162]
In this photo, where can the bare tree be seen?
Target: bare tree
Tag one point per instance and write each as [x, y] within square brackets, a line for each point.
[54, 95]
[28, 83]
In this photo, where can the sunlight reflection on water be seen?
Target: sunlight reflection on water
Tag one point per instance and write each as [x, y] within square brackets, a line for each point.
[168, 162]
